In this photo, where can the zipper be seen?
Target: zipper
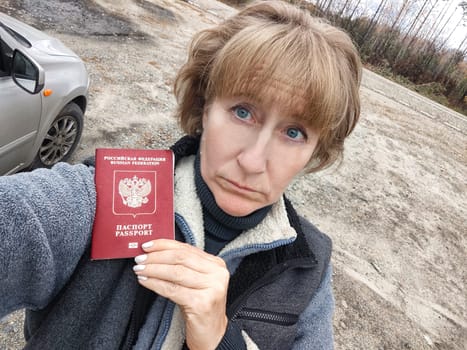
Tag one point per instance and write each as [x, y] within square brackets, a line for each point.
[279, 318]
[141, 304]
[131, 331]
[237, 306]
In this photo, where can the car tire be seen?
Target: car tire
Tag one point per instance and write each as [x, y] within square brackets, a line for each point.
[61, 139]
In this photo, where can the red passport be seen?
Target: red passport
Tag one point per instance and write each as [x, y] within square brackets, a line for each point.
[134, 201]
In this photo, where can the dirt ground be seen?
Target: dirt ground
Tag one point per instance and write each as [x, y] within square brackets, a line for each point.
[396, 207]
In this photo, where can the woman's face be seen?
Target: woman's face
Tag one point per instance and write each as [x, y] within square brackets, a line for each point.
[251, 152]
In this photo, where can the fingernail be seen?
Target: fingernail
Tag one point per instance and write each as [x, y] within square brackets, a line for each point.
[141, 258]
[142, 278]
[147, 244]
[139, 267]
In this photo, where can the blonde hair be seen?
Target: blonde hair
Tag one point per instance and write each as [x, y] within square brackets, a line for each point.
[273, 52]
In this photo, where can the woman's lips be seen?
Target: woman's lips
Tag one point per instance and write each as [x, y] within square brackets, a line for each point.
[241, 187]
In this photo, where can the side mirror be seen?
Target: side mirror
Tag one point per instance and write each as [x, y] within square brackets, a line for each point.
[27, 73]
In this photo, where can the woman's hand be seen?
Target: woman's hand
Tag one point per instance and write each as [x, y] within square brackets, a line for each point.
[193, 279]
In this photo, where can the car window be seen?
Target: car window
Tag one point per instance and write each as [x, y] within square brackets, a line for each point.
[6, 55]
[19, 38]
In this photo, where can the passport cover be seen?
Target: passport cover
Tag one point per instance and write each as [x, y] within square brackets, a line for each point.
[134, 201]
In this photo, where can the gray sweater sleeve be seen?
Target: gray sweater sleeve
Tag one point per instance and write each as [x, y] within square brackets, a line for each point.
[315, 328]
[46, 219]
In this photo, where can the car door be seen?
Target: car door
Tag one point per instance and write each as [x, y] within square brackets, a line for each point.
[20, 113]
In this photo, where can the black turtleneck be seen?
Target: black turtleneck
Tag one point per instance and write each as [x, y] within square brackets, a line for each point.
[219, 227]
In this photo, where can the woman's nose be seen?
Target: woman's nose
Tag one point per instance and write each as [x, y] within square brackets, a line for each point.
[254, 156]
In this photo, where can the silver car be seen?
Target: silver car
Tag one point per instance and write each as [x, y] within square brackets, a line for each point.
[43, 97]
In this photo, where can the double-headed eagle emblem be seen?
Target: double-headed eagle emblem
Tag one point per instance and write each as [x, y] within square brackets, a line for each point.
[134, 191]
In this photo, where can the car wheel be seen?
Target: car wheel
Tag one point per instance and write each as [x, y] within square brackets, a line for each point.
[61, 138]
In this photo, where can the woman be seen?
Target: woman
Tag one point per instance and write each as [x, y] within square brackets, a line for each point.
[266, 95]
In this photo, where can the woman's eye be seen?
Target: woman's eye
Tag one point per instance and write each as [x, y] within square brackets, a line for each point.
[295, 134]
[242, 112]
